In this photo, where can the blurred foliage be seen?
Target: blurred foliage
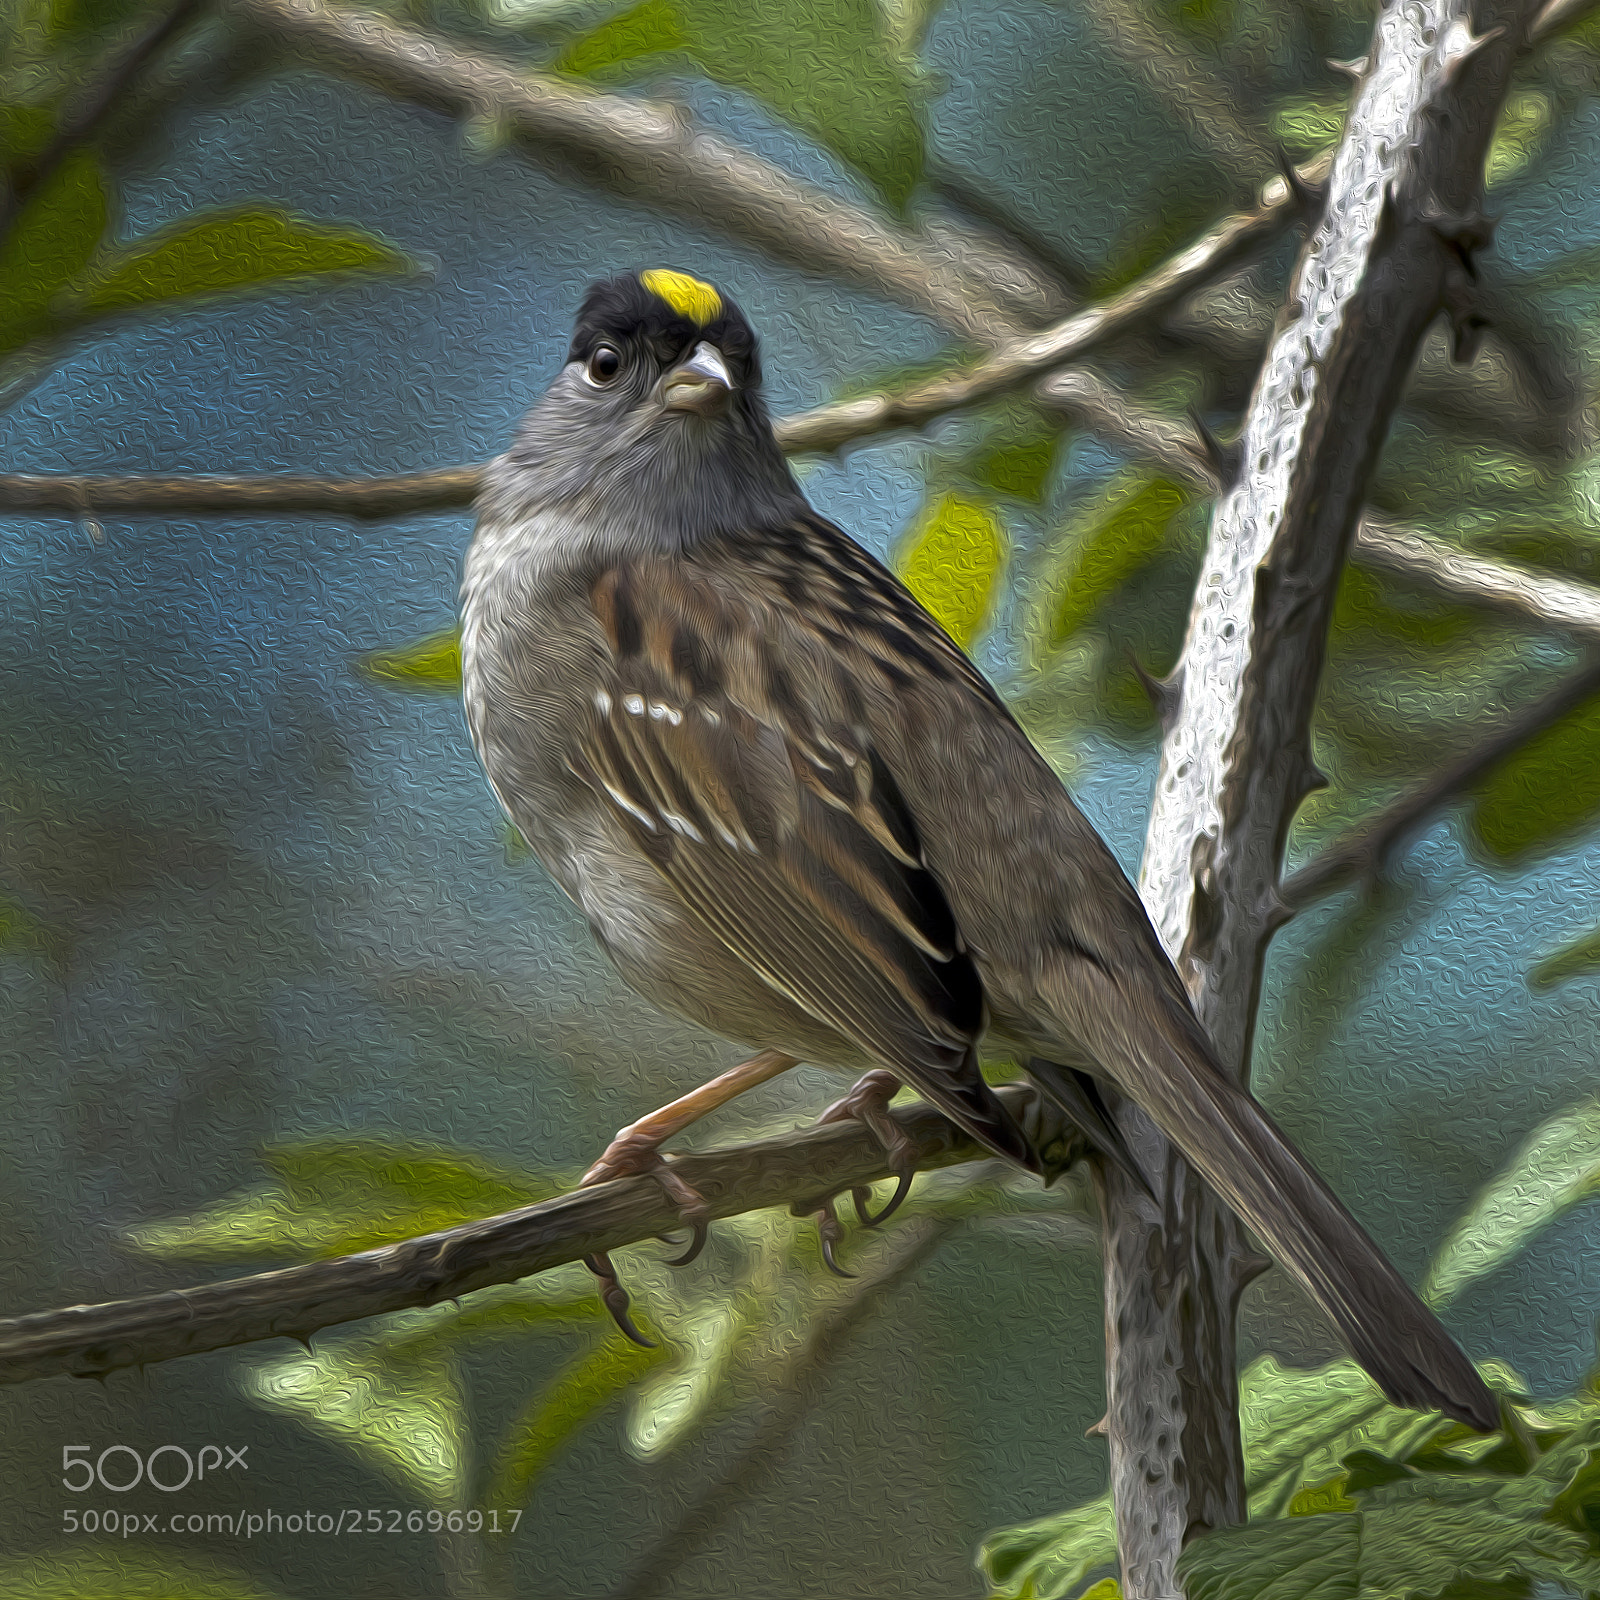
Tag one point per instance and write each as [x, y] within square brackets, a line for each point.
[952, 561]
[1546, 793]
[731, 1333]
[64, 268]
[854, 95]
[1352, 1498]
[1556, 1169]
[425, 666]
[1572, 960]
[129, 1572]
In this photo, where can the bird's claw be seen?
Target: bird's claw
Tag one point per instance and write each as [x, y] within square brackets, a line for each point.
[830, 1230]
[697, 1243]
[616, 1298]
[868, 1103]
[862, 1194]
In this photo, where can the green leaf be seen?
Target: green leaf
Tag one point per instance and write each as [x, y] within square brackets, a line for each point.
[1370, 610]
[1116, 535]
[399, 1408]
[1545, 792]
[339, 1195]
[56, 232]
[1297, 1428]
[431, 665]
[25, 130]
[228, 251]
[1423, 1537]
[1319, 1497]
[126, 1573]
[650, 29]
[1557, 1167]
[79, 19]
[1051, 1556]
[830, 67]
[1305, 124]
[1578, 1504]
[1574, 959]
[952, 563]
[562, 1408]
[1019, 460]
[1525, 122]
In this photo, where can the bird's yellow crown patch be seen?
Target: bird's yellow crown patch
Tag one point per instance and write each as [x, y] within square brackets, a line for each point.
[690, 298]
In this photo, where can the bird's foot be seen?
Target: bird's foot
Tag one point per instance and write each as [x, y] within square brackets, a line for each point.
[632, 1154]
[868, 1103]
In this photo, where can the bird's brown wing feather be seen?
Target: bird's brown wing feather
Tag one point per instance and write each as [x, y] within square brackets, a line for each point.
[1061, 932]
[779, 829]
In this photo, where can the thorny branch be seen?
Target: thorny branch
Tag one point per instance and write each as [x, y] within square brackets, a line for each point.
[799, 1170]
[1392, 248]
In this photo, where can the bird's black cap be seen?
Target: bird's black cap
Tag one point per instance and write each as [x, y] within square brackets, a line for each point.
[670, 313]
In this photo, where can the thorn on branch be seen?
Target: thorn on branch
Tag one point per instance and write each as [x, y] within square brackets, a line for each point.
[1165, 694]
[1463, 304]
[1205, 918]
[1463, 231]
[1100, 1429]
[1225, 460]
[1275, 911]
[1470, 46]
[1309, 198]
[1355, 69]
[1389, 220]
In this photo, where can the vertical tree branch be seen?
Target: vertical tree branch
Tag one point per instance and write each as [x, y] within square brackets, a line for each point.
[1394, 247]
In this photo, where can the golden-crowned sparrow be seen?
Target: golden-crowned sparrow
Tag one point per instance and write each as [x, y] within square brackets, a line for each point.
[793, 811]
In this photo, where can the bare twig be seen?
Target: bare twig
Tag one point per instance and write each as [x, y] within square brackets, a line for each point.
[1558, 16]
[1548, 602]
[1395, 237]
[1562, 605]
[156, 495]
[646, 152]
[1551, 602]
[791, 1394]
[1363, 851]
[89, 1341]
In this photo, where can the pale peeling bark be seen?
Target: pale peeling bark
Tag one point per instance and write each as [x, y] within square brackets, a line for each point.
[1393, 249]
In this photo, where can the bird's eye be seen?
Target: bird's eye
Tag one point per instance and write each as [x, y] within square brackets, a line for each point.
[604, 364]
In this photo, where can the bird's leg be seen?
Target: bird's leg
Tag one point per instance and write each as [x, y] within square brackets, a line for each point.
[868, 1102]
[636, 1151]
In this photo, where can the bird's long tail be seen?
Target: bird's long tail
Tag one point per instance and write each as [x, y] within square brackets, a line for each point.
[1163, 1063]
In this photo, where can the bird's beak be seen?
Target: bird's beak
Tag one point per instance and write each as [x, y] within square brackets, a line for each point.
[699, 384]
